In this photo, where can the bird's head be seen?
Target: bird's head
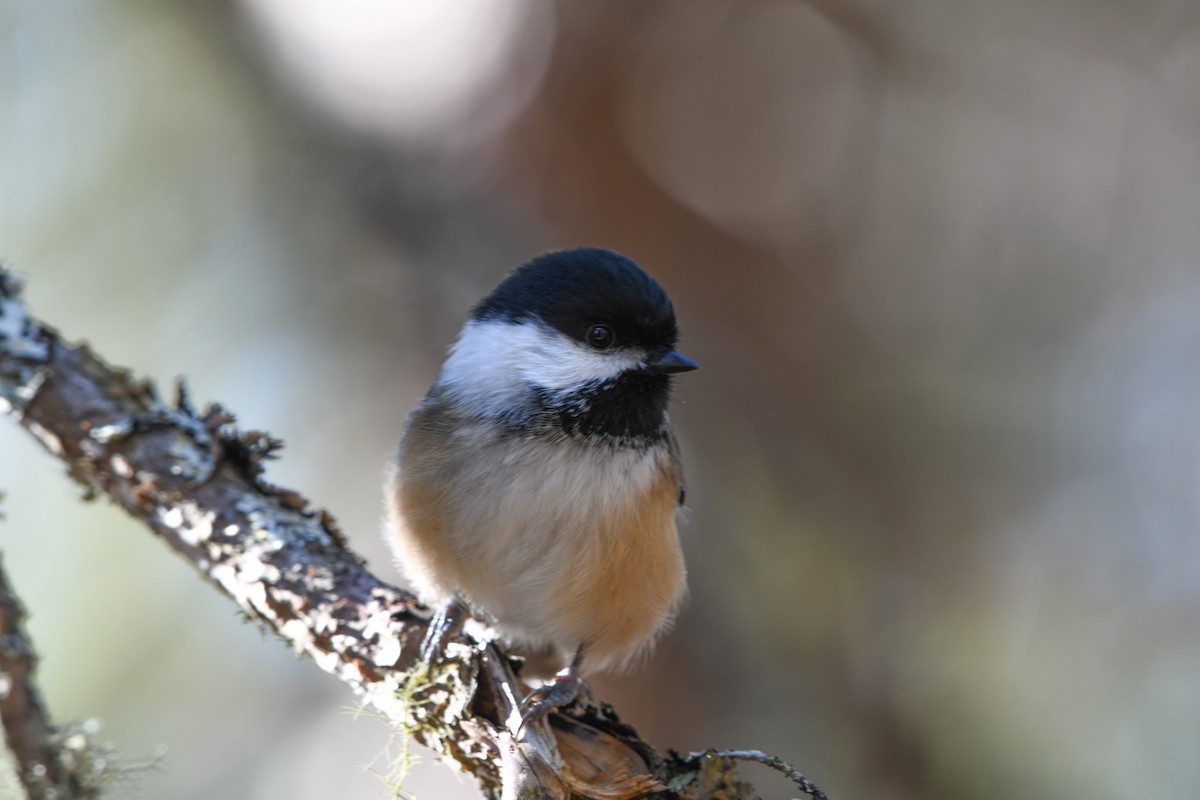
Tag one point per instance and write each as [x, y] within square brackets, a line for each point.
[583, 334]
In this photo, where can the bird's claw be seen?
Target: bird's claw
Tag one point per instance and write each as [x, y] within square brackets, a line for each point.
[566, 687]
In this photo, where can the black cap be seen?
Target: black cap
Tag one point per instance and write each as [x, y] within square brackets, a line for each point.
[574, 290]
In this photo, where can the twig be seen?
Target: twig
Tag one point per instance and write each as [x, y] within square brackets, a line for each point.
[48, 765]
[27, 727]
[774, 762]
[197, 482]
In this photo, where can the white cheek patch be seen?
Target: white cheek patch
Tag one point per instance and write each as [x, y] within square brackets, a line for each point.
[494, 363]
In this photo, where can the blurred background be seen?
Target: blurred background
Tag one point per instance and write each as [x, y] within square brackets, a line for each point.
[937, 260]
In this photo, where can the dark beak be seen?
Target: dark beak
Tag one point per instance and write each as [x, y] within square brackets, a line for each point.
[671, 362]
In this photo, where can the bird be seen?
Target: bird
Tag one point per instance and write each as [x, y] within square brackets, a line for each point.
[537, 484]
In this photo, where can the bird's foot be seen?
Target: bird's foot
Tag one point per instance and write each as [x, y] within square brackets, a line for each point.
[445, 624]
[566, 687]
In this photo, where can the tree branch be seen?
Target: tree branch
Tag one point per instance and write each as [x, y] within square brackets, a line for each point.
[52, 763]
[197, 482]
[27, 727]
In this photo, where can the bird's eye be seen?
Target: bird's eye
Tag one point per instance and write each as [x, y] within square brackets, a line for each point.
[600, 337]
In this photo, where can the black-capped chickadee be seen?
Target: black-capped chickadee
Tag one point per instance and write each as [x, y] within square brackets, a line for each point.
[538, 481]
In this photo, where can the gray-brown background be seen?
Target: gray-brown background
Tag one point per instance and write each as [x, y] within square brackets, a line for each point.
[937, 259]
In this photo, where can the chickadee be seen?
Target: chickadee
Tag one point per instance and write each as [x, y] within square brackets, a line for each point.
[538, 481]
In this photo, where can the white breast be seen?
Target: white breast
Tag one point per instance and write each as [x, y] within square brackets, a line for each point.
[563, 542]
